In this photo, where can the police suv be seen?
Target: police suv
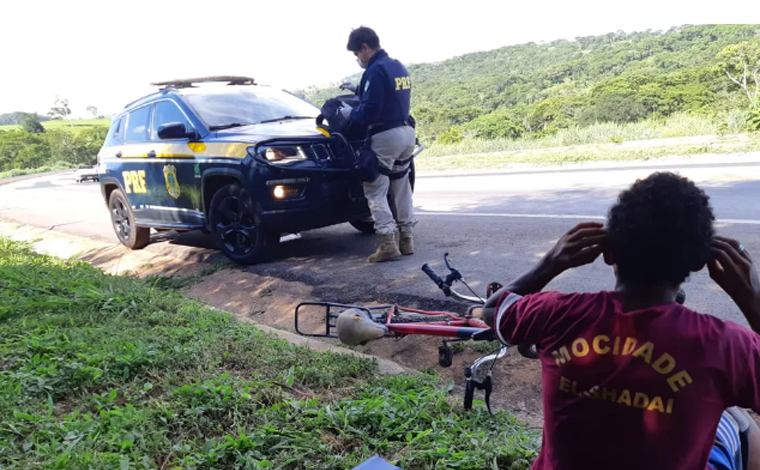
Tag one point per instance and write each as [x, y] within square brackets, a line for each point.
[243, 162]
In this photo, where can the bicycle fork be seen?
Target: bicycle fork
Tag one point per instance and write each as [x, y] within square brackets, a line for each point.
[476, 379]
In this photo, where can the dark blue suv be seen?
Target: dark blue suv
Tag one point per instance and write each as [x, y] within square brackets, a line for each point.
[243, 162]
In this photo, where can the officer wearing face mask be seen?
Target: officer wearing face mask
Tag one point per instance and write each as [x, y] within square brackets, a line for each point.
[385, 92]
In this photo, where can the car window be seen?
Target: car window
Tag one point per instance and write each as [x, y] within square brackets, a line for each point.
[166, 112]
[116, 132]
[138, 125]
[250, 106]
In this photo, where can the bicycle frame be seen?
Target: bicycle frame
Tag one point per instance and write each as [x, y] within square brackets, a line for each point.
[454, 328]
[457, 328]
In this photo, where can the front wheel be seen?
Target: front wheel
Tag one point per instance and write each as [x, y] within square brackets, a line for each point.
[123, 222]
[236, 228]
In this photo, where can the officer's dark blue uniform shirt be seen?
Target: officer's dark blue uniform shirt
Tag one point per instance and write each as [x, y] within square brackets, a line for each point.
[385, 91]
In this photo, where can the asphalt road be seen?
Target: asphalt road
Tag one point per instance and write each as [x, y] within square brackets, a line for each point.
[494, 226]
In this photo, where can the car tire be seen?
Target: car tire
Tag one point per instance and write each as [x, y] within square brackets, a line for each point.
[364, 225]
[123, 222]
[236, 227]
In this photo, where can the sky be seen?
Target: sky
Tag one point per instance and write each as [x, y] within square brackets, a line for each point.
[105, 53]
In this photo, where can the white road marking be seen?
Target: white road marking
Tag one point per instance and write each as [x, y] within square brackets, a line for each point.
[560, 216]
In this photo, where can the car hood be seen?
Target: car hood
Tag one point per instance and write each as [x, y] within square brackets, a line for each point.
[259, 132]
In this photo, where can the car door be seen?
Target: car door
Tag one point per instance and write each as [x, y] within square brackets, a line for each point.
[175, 166]
[134, 169]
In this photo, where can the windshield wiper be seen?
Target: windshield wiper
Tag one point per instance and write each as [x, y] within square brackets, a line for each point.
[230, 125]
[286, 117]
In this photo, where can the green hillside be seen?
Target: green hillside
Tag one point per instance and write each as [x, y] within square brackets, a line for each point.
[537, 89]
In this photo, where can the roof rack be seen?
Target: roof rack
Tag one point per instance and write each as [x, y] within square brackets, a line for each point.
[189, 82]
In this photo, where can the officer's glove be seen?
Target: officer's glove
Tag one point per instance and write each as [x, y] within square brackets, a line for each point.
[348, 86]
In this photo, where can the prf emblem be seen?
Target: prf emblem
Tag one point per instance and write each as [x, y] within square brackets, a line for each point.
[170, 176]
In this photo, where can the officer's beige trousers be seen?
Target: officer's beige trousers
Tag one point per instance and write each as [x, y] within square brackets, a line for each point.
[394, 148]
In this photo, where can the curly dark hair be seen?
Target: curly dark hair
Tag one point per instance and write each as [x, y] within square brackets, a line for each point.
[362, 35]
[660, 230]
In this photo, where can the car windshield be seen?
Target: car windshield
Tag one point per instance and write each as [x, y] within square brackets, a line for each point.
[233, 106]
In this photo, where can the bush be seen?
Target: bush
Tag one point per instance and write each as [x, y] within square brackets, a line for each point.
[25, 150]
[32, 125]
[753, 117]
[496, 125]
[451, 136]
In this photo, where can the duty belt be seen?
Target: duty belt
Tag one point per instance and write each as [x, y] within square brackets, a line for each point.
[385, 126]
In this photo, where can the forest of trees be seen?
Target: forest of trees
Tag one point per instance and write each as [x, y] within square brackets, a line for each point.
[525, 91]
[536, 89]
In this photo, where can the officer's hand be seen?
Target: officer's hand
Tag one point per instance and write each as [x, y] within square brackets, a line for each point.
[348, 86]
[345, 111]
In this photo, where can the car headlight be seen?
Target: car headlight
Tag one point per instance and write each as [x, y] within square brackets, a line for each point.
[283, 154]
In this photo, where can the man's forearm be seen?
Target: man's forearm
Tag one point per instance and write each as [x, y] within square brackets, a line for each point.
[751, 311]
[528, 283]
[535, 279]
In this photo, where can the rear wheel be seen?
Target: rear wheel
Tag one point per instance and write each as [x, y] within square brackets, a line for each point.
[123, 222]
[237, 229]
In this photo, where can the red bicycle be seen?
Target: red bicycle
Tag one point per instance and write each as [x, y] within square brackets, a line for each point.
[358, 325]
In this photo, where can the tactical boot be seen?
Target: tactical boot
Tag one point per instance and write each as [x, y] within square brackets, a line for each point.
[386, 249]
[406, 243]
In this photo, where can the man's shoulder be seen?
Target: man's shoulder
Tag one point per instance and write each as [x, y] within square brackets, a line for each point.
[555, 300]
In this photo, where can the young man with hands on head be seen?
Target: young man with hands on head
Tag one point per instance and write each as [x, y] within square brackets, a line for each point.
[631, 378]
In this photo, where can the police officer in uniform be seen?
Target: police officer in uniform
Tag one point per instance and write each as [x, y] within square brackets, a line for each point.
[385, 91]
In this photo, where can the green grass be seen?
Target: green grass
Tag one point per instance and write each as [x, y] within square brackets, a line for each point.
[76, 124]
[678, 125]
[587, 153]
[180, 282]
[104, 372]
[32, 171]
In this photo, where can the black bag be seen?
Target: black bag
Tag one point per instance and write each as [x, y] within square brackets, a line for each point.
[336, 122]
[367, 166]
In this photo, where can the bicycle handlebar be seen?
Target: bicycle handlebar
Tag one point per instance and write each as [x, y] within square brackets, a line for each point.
[445, 285]
[435, 278]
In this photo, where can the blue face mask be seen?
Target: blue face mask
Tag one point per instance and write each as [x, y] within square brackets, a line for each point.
[358, 61]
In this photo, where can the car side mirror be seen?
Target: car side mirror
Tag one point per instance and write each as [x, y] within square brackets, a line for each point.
[174, 130]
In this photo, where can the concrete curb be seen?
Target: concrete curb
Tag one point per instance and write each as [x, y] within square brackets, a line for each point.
[16, 179]
[115, 259]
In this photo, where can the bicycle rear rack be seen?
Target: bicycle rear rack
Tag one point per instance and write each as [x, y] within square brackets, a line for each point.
[331, 315]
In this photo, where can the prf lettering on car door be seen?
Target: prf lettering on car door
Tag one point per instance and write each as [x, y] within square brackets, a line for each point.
[134, 181]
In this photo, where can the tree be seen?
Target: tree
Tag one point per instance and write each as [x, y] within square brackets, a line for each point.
[61, 110]
[496, 125]
[94, 111]
[741, 62]
[31, 124]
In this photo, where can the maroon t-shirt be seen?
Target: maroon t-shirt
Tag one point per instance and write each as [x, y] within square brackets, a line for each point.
[638, 390]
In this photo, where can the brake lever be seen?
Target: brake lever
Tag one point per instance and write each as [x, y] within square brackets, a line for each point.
[455, 274]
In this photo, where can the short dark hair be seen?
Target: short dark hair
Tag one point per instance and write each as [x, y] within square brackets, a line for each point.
[660, 230]
[362, 35]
